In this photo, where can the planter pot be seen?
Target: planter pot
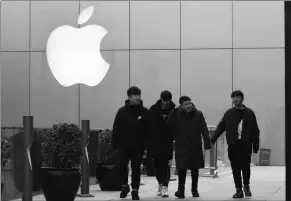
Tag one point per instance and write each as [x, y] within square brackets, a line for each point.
[108, 177]
[60, 184]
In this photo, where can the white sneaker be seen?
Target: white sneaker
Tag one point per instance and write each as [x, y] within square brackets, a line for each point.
[159, 190]
[165, 191]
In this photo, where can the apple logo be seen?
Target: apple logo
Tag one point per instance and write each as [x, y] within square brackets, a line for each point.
[73, 54]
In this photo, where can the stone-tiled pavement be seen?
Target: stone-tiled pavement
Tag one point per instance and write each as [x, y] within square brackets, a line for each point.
[267, 183]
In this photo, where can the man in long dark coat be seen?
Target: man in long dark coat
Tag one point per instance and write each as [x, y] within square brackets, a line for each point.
[243, 137]
[188, 125]
[160, 140]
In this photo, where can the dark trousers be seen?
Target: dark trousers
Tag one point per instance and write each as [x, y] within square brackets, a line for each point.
[182, 173]
[135, 157]
[239, 155]
[162, 170]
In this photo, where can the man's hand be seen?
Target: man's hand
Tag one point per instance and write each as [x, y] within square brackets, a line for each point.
[208, 147]
[177, 106]
[256, 147]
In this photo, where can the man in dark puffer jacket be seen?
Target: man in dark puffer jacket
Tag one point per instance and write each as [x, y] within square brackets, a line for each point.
[160, 141]
[129, 136]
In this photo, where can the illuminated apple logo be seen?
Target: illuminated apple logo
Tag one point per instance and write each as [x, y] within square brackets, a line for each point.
[73, 54]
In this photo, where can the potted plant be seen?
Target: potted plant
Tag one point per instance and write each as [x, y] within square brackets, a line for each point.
[6, 149]
[61, 151]
[106, 170]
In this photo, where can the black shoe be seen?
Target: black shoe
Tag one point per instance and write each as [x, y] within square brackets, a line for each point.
[195, 194]
[134, 195]
[239, 194]
[247, 191]
[180, 194]
[124, 191]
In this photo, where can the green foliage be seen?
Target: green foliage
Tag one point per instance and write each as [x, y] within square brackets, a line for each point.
[6, 150]
[107, 155]
[62, 147]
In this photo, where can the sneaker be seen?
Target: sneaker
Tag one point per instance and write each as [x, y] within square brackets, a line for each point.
[124, 191]
[195, 194]
[134, 195]
[247, 191]
[159, 193]
[239, 194]
[180, 194]
[165, 192]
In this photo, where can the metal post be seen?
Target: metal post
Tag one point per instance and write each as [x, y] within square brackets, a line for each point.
[27, 142]
[212, 157]
[215, 174]
[85, 168]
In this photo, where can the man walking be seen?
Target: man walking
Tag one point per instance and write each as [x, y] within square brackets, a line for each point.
[129, 136]
[160, 141]
[187, 125]
[242, 135]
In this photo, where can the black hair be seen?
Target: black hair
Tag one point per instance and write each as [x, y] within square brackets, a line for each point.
[166, 95]
[182, 99]
[133, 91]
[237, 93]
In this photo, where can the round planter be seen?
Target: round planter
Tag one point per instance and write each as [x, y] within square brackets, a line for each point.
[60, 184]
[108, 177]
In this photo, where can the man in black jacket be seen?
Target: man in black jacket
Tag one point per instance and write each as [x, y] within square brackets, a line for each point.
[129, 136]
[160, 141]
[242, 136]
[188, 127]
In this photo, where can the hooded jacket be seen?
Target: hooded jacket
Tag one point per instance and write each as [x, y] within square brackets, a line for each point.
[188, 130]
[160, 141]
[130, 127]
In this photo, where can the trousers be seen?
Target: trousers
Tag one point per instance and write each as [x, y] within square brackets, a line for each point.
[162, 170]
[182, 173]
[239, 155]
[135, 156]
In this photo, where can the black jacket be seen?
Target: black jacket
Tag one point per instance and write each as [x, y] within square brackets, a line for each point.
[250, 129]
[160, 141]
[130, 127]
[190, 133]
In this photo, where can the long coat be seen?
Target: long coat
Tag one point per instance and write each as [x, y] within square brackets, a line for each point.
[160, 143]
[187, 130]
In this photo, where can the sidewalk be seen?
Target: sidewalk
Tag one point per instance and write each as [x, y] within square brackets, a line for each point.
[267, 183]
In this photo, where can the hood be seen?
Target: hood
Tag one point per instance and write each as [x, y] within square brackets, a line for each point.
[242, 105]
[159, 103]
[127, 103]
[193, 111]
[194, 108]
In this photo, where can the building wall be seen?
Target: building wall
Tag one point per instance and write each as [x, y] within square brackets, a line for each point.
[201, 49]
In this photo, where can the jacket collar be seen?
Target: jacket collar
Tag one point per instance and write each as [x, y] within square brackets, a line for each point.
[127, 104]
[159, 104]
